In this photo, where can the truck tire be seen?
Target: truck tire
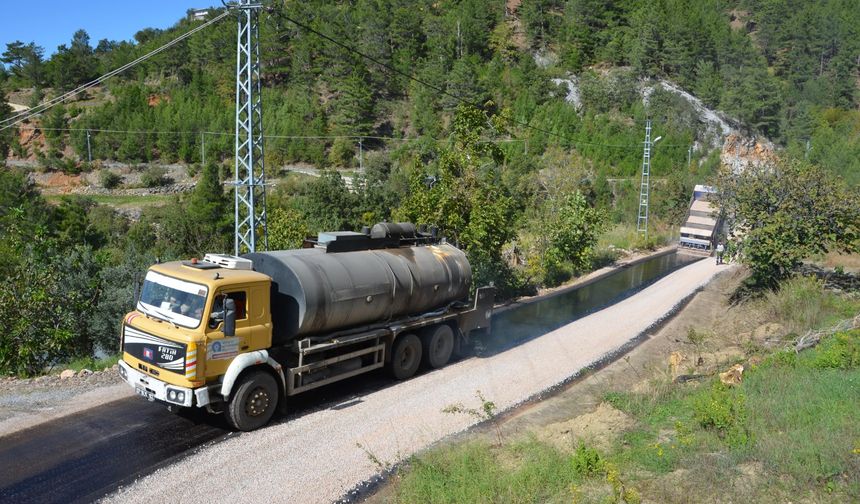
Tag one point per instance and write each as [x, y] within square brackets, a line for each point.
[438, 344]
[405, 356]
[253, 402]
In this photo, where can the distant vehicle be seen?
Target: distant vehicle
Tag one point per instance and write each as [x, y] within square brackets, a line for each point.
[699, 232]
[238, 335]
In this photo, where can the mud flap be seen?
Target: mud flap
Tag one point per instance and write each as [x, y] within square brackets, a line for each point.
[481, 315]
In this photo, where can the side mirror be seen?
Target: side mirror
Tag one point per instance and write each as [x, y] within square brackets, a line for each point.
[137, 288]
[229, 329]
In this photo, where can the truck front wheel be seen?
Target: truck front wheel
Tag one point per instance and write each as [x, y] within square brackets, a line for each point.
[253, 402]
[405, 356]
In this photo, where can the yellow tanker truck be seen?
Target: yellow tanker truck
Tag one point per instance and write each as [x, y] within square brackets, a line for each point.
[238, 335]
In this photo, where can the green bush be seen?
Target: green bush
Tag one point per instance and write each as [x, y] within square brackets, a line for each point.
[723, 410]
[192, 169]
[154, 176]
[786, 358]
[840, 351]
[586, 461]
[287, 228]
[342, 153]
[109, 179]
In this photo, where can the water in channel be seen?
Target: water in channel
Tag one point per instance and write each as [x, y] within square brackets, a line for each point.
[530, 320]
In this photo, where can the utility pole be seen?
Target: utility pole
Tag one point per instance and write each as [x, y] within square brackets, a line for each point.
[645, 182]
[459, 42]
[360, 155]
[250, 181]
[203, 148]
[89, 149]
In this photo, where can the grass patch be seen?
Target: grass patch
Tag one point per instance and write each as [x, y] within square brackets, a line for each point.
[797, 415]
[525, 471]
[794, 419]
[804, 421]
[92, 363]
[625, 236]
[802, 303]
[117, 200]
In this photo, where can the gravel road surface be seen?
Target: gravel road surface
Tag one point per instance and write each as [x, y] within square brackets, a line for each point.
[316, 457]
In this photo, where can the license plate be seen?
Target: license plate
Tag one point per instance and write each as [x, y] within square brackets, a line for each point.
[150, 396]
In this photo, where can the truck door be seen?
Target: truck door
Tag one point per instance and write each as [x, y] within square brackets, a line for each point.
[220, 350]
[259, 317]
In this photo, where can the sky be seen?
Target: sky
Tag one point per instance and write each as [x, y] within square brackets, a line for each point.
[50, 23]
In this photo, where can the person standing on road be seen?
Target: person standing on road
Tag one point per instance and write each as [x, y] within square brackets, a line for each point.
[720, 250]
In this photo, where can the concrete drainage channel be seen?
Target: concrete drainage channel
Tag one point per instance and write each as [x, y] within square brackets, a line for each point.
[521, 322]
[90, 454]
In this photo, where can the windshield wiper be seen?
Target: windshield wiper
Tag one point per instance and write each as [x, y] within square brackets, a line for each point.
[143, 310]
[166, 317]
[156, 313]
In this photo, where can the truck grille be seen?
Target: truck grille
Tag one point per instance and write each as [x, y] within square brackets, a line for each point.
[165, 354]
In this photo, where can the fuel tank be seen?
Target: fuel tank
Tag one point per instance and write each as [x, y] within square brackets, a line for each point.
[315, 292]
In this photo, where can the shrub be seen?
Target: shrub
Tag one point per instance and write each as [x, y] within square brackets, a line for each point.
[109, 179]
[287, 228]
[841, 351]
[586, 461]
[786, 358]
[192, 169]
[723, 410]
[154, 176]
[342, 152]
[70, 166]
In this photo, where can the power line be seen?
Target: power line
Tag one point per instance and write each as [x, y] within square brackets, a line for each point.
[227, 133]
[23, 116]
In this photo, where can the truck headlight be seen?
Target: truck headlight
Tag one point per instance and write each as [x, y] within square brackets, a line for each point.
[177, 396]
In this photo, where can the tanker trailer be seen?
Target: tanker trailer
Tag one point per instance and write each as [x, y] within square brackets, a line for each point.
[239, 335]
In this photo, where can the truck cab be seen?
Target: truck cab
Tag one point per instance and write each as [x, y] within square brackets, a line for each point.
[192, 320]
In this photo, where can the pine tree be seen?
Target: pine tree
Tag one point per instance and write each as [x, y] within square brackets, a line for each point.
[354, 105]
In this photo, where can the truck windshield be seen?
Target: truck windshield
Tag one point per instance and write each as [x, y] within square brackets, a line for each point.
[173, 300]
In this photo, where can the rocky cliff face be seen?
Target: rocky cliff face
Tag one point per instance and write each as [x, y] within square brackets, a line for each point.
[739, 149]
[741, 152]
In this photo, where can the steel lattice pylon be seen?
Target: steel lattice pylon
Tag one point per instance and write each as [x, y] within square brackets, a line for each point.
[250, 181]
[645, 182]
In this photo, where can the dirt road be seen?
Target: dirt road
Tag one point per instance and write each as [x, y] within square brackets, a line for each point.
[321, 455]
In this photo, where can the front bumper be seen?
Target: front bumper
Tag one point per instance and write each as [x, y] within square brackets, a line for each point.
[154, 389]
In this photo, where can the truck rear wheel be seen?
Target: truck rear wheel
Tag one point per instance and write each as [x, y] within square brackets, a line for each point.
[253, 402]
[405, 356]
[438, 343]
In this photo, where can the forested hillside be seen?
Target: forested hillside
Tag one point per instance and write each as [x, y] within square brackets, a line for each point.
[515, 127]
[773, 64]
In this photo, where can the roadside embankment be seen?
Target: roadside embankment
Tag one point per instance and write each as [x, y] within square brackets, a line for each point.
[718, 405]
